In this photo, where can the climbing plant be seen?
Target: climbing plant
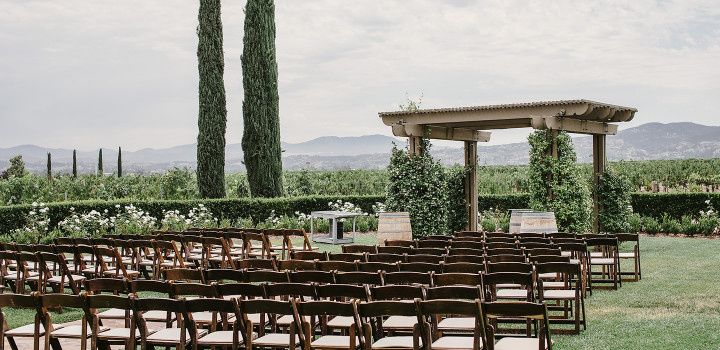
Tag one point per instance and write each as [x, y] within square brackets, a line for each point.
[212, 114]
[614, 200]
[556, 184]
[261, 135]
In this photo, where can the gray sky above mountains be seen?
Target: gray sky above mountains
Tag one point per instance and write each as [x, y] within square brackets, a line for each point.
[84, 74]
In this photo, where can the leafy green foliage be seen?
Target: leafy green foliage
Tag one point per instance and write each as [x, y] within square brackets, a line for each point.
[49, 166]
[16, 169]
[457, 219]
[100, 163]
[555, 183]
[212, 114]
[261, 115]
[74, 164]
[417, 185]
[614, 200]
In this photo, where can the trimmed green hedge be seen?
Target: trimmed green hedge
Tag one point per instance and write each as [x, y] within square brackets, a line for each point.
[646, 204]
[12, 217]
[674, 205]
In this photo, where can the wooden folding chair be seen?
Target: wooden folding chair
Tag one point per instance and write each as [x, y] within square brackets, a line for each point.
[28, 265]
[271, 339]
[385, 258]
[633, 255]
[81, 332]
[372, 266]
[256, 264]
[409, 277]
[360, 278]
[224, 328]
[450, 311]
[60, 277]
[464, 267]
[322, 339]
[335, 265]
[400, 243]
[395, 250]
[138, 287]
[603, 252]
[127, 336]
[532, 312]
[113, 286]
[425, 258]
[565, 290]
[308, 255]
[178, 337]
[110, 264]
[34, 330]
[432, 243]
[183, 275]
[370, 316]
[359, 248]
[344, 293]
[405, 293]
[349, 257]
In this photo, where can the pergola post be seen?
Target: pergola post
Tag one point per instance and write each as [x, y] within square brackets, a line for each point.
[415, 146]
[599, 159]
[553, 134]
[471, 195]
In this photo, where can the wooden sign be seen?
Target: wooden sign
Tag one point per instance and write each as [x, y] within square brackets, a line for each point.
[394, 226]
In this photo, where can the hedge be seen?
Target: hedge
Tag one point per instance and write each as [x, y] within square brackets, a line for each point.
[12, 217]
[646, 204]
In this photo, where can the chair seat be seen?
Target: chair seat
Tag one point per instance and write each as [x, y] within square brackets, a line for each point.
[88, 269]
[285, 320]
[512, 293]
[219, 338]
[559, 294]
[74, 331]
[630, 255]
[461, 323]
[206, 317]
[565, 253]
[171, 335]
[117, 314]
[514, 343]
[25, 331]
[57, 279]
[117, 334]
[547, 275]
[596, 254]
[554, 285]
[400, 322]
[507, 285]
[254, 318]
[602, 261]
[334, 341]
[275, 339]
[395, 342]
[157, 315]
[146, 263]
[454, 343]
[341, 322]
[31, 276]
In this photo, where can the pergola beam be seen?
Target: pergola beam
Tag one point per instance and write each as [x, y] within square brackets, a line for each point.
[441, 133]
[577, 126]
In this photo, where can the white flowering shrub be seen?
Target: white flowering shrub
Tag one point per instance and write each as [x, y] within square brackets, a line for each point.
[339, 205]
[92, 224]
[173, 221]
[201, 217]
[133, 220]
[36, 227]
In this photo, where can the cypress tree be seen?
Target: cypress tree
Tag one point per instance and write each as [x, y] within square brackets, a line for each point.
[119, 167]
[212, 111]
[49, 166]
[261, 136]
[74, 169]
[100, 164]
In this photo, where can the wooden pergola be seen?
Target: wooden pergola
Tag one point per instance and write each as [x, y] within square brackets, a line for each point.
[470, 125]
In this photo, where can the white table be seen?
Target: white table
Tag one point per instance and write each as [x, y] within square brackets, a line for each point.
[333, 216]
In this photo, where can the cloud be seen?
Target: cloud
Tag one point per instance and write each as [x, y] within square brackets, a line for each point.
[85, 74]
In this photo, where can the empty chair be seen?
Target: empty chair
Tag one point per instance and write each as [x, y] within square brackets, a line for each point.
[59, 277]
[565, 289]
[127, 335]
[223, 275]
[111, 286]
[385, 257]
[184, 275]
[420, 267]
[377, 266]
[157, 287]
[432, 243]
[256, 264]
[349, 257]
[175, 336]
[465, 267]
[509, 285]
[380, 338]
[425, 258]
[466, 251]
[395, 250]
[408, 277]
[342, 292]
[34, 330]
[334, 265]
[406, 293]
[633, 254]
[493, 311]
[266, 276]
[314, 276]
[607, 258]
[473, 259]
[431, 251]
[81, 332]
[457, 278]
[109, 264]
[319, 339]
[224, 328]
[447, 310]
[195, 291]
[296, 265]
[360, 277]
[399, 243]
[271, 339]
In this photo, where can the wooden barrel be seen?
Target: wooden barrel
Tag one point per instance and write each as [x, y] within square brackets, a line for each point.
[394, 226]
[516, 219]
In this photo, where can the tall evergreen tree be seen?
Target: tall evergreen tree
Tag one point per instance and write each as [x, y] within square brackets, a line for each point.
[74, 169]
[119, 167]
[100, 163]
[261, 136]
[212, 114]
[49, 166]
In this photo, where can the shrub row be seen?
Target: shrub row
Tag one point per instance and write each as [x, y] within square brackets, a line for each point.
[12, 217]
[675, 205]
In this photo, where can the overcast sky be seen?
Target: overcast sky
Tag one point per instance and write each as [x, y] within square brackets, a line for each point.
[84, 74]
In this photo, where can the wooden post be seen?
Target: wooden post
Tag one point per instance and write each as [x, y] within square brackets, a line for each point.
[415, 146]
[471, 195]
[554, 154]
[599, 159]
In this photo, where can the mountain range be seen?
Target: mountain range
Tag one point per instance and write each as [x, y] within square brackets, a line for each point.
[644, 142]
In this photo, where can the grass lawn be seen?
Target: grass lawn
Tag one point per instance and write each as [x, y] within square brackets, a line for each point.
[675, 306]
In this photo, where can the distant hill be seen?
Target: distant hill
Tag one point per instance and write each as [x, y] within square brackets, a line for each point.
[647, 141]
